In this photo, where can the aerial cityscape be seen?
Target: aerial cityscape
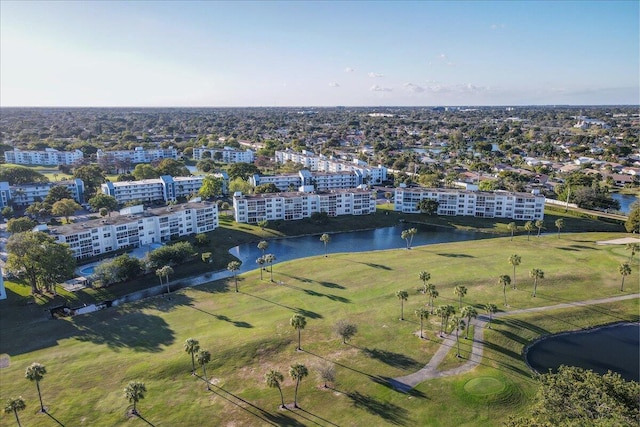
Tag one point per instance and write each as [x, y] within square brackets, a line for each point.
[335, 213]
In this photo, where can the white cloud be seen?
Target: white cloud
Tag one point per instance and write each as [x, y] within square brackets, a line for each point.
[375, 75]
[334, 84]
[376, 88]
[497, 26]
[413, 87]
[466, 88]
[349, 70]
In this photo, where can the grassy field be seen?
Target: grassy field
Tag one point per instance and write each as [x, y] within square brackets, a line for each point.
[91, 358]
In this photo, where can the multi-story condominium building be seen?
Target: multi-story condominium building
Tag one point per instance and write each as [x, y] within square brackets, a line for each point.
[166, 188]
[49, 157]
[138, 155]
[298, 205]
[226, 155]
[136, 227]
[5, 194]
[320, 181]
[26, 194]
[451, 202]
[370, 175]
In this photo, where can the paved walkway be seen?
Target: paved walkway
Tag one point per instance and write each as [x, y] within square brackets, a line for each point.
[430, 370]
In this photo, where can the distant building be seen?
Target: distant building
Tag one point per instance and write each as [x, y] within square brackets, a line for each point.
[320, 181]
[26, 194]
[138, 155]
[483, 204]
[136, 227]
[226, 155]
[48, 157]
[298, 205]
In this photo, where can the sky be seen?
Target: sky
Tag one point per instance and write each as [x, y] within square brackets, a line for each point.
[318, 53]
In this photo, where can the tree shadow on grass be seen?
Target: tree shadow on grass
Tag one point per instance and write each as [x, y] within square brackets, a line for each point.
[372, 265]
[456, 255]
[54, 418]
[397, 360]
[301, 311]
[166, 302]
[238, 324]
[390, 412]
[331, 285]
[121, 329]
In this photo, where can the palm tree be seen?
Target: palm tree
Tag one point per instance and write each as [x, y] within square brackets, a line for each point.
[36, 372]
[445, 312]
[491, 309]
[274, 378]
[234, 266]
[539, 226]
[433, 294]
[134, 392]
[297, 372]
[260, 261]
[192, 346]
[559, 225]
[424, 276]
[458, 325]
[298, 322]
[269, 259]
[160, 275]
[529, 227]
[15, 404]
[634, 248]
[536, 274]
[263, 245]
[325, 238]
[165, 272]
[515, 261]
[512, 227]
[402, 296]
[423, 314]
[504, 280]
[408, 236]
[625, 270]
[203, 357]
[460, 291]
[468, 311]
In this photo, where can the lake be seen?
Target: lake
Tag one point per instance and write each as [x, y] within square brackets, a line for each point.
[614, 347]
[626, 200]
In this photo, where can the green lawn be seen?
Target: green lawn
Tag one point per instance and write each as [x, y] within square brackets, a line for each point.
[91, 358]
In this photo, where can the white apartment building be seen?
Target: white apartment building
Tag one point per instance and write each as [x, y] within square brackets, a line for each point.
[48, 157]
[166, 188]
[138, 155]
[298, 205]
[484, 204]
[320, 181]
[370, 175]
[26, 194]
[226, 154]
[136, 227]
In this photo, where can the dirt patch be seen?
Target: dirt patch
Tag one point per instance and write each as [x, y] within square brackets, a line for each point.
[5, 361]
[623, 241]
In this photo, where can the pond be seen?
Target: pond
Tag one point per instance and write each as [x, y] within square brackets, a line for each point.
[356, 241]
[626, 200]
[610, 348]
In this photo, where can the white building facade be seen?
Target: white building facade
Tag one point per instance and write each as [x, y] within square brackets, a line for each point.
[451, 202]
[226, 154]
[320, 181]
[137, 227]
[252, 209]
[48, 157]
[138, 155]
[26, 194]
[166, 188]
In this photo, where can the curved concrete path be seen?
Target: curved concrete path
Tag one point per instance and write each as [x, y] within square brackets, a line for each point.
[430, 370]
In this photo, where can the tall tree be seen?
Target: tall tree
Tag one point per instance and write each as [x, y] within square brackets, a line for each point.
[20, 225]
[212, 186]
[297, 373]
[263, 245]
[274, 379]
[457, 325]
[402, 296]
[145, 171]
[634, 248]
[624, 269]
[242, 170]
[539, 226]
[92, 176]
[445, 312]
[270, 259]
[504, 280]
[408, 235]
[165, 272]
[423, 314]
[233, 267]
[433, 294]
[325, 238]
[515, 261]
[326, 373]
[425, 277]
[15, 404]
[529, 227]
[192, 346]
[536, 274]
[512, 227]
[57, 193]
[36, 372]
[491, 309]
[260, 261]
[460, 291]
[346, 330]
[65, 208]
[469, 312]
[298, 322]
[428, 206]
[203, 357]
[134, 392]
[632, 225]
[559, 225]
[172, 167]
[100, 201]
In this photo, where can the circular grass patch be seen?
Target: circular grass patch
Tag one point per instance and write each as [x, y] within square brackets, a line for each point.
[484, 386]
